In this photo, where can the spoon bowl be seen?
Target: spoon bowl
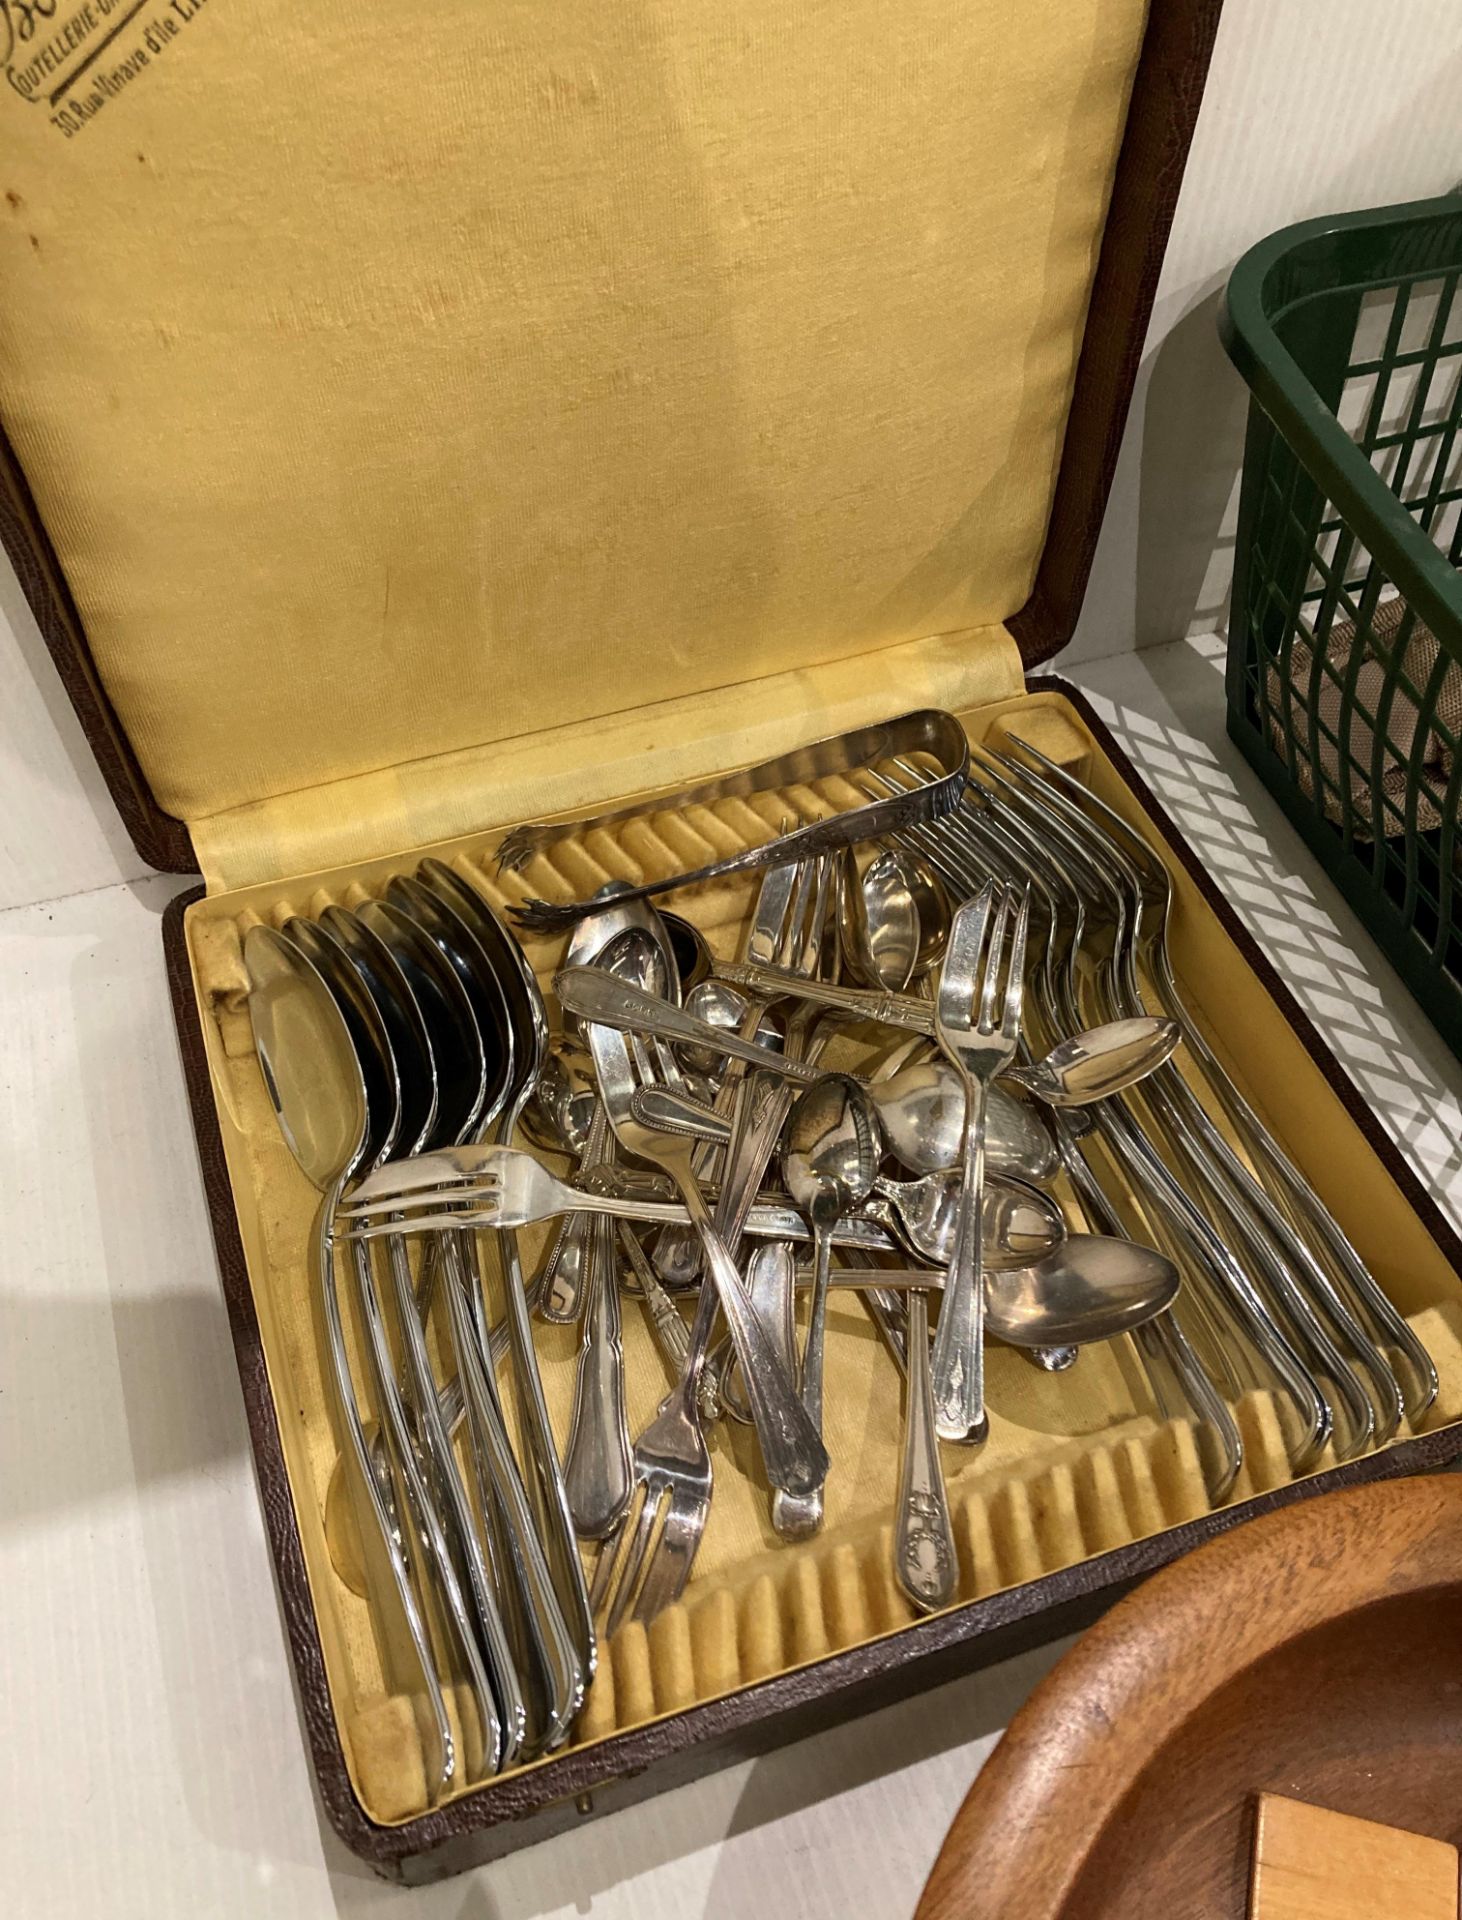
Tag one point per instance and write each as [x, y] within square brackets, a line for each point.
[878, 922]
[1092, 1287]
[724, 1007]
[1092, 1065]
[311, 1070]
[1018, 1223]
[561, 1110]
[931, 904]
[921, 1109]
[688, 949]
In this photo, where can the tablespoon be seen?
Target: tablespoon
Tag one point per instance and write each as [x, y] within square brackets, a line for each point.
[313, 1077]
[829, 1162]
[537, 1655]
[1092, 1287]
[436, 1497]
[526, 1035]
[553, 1621]
[1102, 1061]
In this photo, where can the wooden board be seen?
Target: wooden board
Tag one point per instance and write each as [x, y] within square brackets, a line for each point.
[1312, 1864]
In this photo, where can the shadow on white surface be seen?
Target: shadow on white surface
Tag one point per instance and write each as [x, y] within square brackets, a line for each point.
[776, 1835]
[173, 1428]
[172, 1420]
[1166, 706]
[60, 831]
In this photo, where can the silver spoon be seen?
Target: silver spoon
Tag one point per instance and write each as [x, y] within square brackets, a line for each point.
[829, 1163]
[893, 919]
[561, 1108]
[1099, 1062]
[313, 1077]
[931, 903]
[726, 1008]
[878, 922]
[921, 1109]
[1092, 1287]
[564, 1604]
[537, 1664]
[690, 953]
[436, 1495]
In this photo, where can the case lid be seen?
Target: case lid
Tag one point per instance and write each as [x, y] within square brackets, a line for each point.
[406, 409]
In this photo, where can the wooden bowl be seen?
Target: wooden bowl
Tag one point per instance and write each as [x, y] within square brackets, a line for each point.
[1315, 1652]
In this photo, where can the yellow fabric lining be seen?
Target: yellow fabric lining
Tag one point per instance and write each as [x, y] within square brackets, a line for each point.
[390, 379]
[1074, 1466]
[592, 764]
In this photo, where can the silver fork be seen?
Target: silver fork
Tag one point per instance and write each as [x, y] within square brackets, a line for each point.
[647, 1121]
[672, 1462]
[978, 1028]
[763, 1107]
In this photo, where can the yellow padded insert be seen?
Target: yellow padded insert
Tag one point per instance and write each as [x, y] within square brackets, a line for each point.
[391, 379]
[1075, 1465]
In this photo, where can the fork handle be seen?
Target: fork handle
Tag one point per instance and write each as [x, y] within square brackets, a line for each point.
[792, 1451]
[958, 1365]
[596, 1468]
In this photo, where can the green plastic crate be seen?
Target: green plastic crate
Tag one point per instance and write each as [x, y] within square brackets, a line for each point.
[1345, 638]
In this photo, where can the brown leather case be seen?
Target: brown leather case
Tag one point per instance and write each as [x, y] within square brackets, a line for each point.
[630, 1766]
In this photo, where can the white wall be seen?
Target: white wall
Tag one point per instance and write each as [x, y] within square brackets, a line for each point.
[1313, 106]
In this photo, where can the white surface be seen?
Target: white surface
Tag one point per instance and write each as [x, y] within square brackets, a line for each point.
[1312, 106]
[152, 1762]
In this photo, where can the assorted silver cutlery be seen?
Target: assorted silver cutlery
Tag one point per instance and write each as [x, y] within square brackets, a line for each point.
[1018, 1150]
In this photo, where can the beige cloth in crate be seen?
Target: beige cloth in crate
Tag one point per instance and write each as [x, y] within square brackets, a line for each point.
[1418, 662]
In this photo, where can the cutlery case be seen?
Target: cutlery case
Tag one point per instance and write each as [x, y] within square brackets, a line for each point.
[411, 432]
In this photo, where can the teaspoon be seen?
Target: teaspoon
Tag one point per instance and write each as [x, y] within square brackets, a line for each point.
[829, 1163]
